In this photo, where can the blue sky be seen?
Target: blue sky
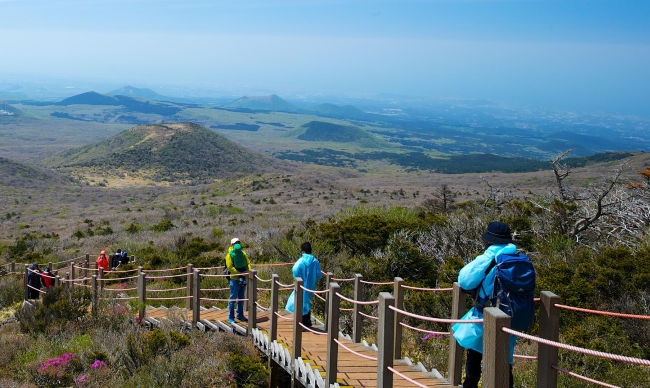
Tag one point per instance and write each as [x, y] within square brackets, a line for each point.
[570, 54]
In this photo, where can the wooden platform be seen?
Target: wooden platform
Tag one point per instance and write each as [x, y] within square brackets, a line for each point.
[353, 371]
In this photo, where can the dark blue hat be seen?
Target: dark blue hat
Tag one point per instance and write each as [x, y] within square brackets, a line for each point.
[497, 233]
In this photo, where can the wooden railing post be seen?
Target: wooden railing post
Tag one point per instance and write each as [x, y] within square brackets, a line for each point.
[13, 266]
[273, 329]
[50, 266]
[496, 348]
[66, 284]
[190, 285]
[458, 308]
[133, 259]
[72, 274]
[328, 280]
[142, 295]
[57, 281]
[25, 282]
[356, 320]
[398, 294]
[101, 276]
[549, 328]
[385, 341]
[86, 265]
[252, 298]
[332, 334]
[196, 298]
[93, 287]
[297, 330]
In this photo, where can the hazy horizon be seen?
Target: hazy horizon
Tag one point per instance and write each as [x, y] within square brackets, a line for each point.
[582, 55]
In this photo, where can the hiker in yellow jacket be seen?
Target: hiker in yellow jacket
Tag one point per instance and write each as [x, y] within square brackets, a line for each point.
[237, 262]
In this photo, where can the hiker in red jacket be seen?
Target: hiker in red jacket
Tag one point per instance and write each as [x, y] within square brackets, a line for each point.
[102, 261]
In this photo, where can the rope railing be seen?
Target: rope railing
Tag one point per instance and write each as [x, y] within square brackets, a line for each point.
[167, 276]
[222, 300]
[209, 268]
[125, 271]
[406, 378]
[620, 315]
[439, 320]
[283, 285]
[263, 280]
[262, 307]
[320, 297]
[171, 298]
[353, 352]
[311, 330]
[356, 301]
[523, 357]
[222, 276]
[120, 289]
[581, 377]
[369, 316]
[378, 283]
[346, 309]
[282, 316]
[37, 289]
[165, 270]
[213, 289]
[610, 356]
[170, 289]
[114, 279]
[426, 289]
[343, 280]
[124, 298]
[272, 264]
[314, 291]
[425, 331]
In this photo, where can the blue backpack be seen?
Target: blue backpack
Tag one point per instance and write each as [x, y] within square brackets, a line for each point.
[514, 285]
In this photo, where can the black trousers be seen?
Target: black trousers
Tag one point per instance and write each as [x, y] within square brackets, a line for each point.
[306, 319]
[473, 369]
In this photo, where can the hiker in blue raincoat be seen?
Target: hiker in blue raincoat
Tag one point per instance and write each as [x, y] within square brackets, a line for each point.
[497, 240]
[307, 268]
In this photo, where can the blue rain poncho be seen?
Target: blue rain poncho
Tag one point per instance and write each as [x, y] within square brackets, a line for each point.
[307, 268]
[470, 335]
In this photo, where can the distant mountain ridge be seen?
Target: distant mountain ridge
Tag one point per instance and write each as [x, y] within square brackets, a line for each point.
[147, 94]
[132, 104]
[166, 153]
[270, 103]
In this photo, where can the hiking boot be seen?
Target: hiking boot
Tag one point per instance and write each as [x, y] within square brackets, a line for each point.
[243, 319]
[231, 321]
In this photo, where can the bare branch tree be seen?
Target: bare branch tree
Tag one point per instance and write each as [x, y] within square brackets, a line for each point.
[561, 171]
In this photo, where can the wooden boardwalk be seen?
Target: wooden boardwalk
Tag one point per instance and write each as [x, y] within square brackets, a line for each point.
[353, 371]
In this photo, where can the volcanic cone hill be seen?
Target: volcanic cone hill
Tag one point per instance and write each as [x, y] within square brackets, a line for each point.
[179, 152]
[270, 103]
[16, 174]
[325, 131]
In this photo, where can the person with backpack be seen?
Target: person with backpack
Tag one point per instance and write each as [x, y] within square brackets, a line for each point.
[34, 281]
[124, 260]
[308, 268]
[501, 278]
[115, 258]
[237, 262]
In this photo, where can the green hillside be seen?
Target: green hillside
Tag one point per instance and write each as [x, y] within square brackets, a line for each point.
[165, 152]
[7, 110]
[130, 91]
[21, 175]
[324, 131]
[271, 103]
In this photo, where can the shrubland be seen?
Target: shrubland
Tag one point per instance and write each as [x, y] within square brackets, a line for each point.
[588, 242]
